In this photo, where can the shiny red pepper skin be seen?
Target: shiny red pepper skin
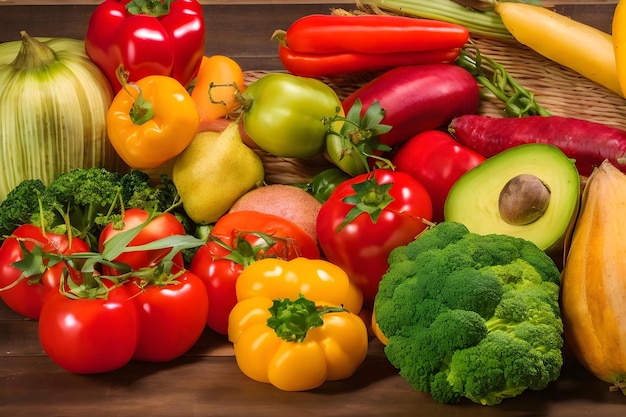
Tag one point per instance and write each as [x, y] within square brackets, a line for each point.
[319, 65]
[171, 44]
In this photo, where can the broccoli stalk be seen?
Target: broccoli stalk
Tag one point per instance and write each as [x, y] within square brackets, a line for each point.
[471, 316]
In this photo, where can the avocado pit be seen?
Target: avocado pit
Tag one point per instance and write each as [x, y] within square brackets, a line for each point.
[523, 200]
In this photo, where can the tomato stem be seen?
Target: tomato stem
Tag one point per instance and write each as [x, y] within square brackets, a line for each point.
[243, 252]
[370, 197]
[359, 134]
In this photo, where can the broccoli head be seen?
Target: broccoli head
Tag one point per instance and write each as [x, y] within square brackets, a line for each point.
[471, 316]
[18, 206]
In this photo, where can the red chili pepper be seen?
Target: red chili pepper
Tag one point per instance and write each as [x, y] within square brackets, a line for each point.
[318, 65]
[328, 34]
[152, 37]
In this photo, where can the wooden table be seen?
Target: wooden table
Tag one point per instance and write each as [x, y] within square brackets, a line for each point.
[207, 381]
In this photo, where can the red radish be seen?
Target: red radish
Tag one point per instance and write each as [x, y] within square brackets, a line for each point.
[418, 98]
[588, 143]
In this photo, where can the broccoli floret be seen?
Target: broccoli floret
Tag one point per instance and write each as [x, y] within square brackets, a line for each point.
[139, 191]
[18, 206]
[471, 316]
[83, 195]
[86, 199]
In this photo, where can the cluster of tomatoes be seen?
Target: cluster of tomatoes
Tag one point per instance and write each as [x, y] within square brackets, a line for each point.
[97, 311]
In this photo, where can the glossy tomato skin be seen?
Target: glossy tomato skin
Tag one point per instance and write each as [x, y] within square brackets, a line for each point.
[290, 239]
[27, 297]
[89, 336]
[437, 161]
[164, 225]
[362, 247]
[220, 275]
[171, 316]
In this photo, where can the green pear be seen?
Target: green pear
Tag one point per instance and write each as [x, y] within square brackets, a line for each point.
[214, 171]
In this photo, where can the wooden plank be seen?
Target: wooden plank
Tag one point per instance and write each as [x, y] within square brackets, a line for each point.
[203, 2]
[198, 386]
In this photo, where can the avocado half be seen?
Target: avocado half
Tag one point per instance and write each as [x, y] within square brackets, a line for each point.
[529, 191]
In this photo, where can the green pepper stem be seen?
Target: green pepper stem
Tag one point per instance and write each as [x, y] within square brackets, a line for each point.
[155, 8]
[291, 320]
[141, 111]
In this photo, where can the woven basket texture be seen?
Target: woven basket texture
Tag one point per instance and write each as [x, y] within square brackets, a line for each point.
[558, 89]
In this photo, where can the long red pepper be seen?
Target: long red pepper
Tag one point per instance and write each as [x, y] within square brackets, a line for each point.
[327, 34]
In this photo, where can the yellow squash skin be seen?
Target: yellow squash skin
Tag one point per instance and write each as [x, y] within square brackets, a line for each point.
[594, 279]
[618, 30]
[575, 45]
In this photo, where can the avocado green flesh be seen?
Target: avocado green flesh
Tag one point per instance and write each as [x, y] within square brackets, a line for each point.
[473, 200]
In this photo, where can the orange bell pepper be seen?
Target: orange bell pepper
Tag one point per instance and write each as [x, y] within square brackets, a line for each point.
[296, 323]
[219, 79]
[151, 121]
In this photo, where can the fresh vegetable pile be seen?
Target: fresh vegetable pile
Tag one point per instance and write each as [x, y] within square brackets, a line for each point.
[464, 243]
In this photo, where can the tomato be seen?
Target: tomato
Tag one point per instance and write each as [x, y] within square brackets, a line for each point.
[219, 265]
[88, 336]
[285, 114]
[290, 240]
[219, 276]
[437, 161]
[368, 216]
[163, 225]
[26, 297]
[172, 316]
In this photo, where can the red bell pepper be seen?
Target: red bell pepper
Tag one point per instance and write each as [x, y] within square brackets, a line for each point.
[152, 37]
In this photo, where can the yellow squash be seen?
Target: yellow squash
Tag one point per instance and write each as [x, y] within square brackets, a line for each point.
[594, 279]
[618, 30]
[575, 45]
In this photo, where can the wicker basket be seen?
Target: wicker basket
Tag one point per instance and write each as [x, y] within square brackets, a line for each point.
[560, 90]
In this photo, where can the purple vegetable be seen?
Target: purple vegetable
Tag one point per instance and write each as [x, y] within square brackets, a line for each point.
[418, 98]
[588, 143]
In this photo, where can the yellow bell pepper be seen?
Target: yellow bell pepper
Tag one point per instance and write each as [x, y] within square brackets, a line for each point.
[296, 323]
[151, 121]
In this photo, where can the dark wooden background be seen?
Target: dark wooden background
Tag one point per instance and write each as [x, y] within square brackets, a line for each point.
[238, 29]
